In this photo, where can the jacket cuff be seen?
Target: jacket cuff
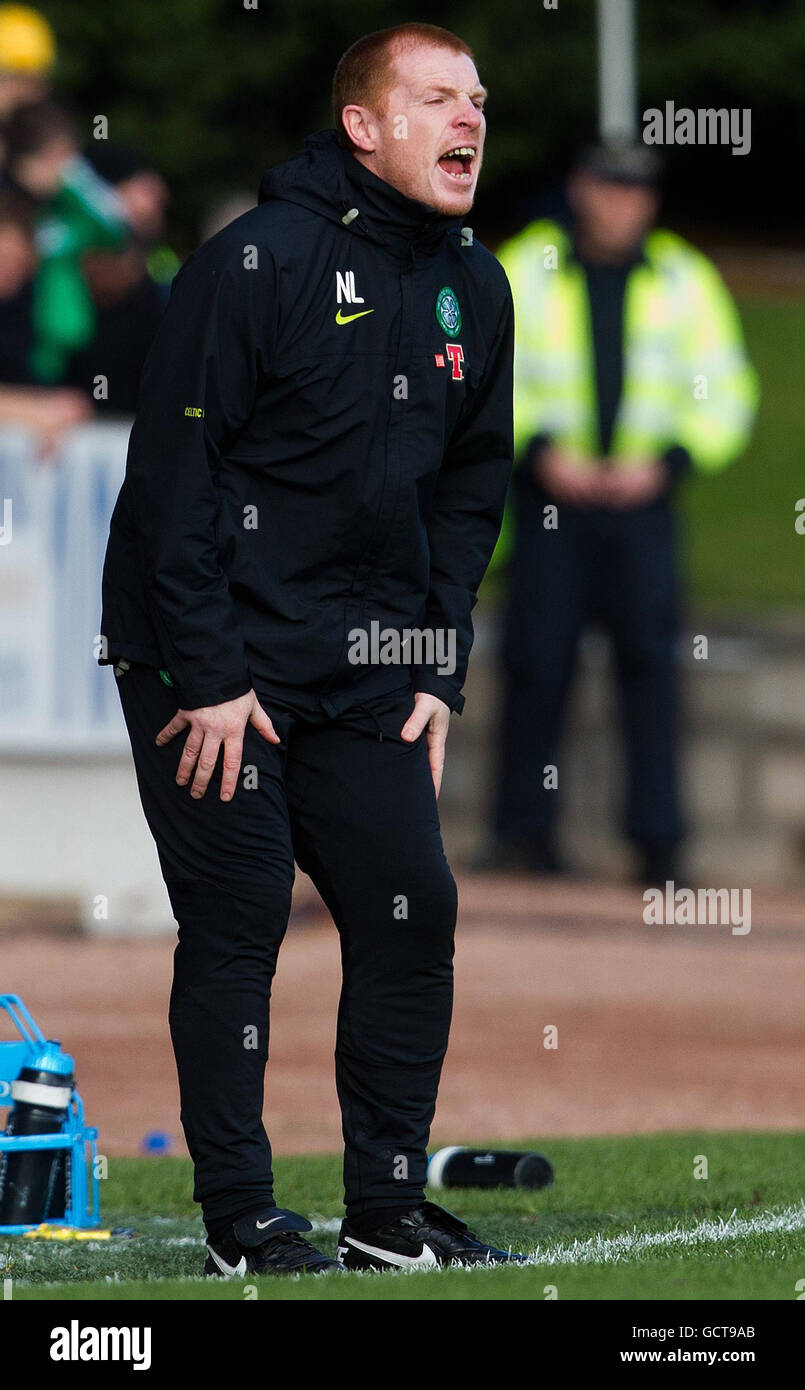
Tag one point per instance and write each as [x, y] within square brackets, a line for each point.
[192, 696]
[428, 682]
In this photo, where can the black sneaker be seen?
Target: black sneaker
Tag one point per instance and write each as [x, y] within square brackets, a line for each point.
[424, 1238]
[267, 1243]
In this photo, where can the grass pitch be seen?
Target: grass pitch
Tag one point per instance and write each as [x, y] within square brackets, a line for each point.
[743, 548]
[625, 1219]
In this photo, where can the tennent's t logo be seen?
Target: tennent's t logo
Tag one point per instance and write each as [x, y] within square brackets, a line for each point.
[456, 354]
[345, 290]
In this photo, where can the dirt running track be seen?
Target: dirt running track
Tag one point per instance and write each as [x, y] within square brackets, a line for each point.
[670, 1027]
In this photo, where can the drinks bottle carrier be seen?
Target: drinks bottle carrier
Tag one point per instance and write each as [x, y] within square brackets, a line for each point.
[49, 1173]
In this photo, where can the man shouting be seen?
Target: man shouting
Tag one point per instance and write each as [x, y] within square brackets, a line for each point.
[321, 450]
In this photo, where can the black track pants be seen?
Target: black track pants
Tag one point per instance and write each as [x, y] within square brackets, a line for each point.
[358, 813]
[616, 569]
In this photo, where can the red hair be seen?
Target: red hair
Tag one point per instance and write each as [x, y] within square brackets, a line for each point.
[366, 70]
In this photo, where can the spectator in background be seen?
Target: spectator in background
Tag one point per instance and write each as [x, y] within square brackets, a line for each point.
[129, 286]
[46, 411]
[76, 211]
[145, 196]
[629, 368]
[27, 56]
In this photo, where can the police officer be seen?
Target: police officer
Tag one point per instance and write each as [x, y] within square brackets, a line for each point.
[630, 369]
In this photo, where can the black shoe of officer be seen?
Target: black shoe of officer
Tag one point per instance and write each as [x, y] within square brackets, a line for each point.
[267, 1243]
[659, 864]
[425, 1238]
[537, 855]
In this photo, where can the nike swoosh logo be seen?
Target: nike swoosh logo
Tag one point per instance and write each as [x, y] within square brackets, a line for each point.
[261, 1225]
[427, 1260]
[347, 318]
[229, 1270]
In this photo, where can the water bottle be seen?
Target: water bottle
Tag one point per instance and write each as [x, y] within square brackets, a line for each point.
[459, 1167]
[33, 1182]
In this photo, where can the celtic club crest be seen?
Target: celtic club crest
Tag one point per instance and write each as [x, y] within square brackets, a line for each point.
[448, 312]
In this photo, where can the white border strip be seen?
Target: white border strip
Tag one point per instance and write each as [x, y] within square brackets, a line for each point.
[598, 1250]
[613, 1249]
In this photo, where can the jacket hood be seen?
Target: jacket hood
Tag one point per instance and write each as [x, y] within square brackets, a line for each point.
[329, 181]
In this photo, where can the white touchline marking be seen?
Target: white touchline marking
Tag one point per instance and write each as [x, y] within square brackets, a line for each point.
[598, 1250]
[611, 1249]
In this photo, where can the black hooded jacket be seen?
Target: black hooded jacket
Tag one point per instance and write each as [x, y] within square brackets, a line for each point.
[317, 448]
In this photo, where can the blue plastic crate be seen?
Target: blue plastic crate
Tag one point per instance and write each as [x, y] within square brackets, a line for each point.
[78, 1138]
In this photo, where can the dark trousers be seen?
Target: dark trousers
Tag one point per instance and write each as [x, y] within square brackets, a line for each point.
[616, 569]
[358, 813]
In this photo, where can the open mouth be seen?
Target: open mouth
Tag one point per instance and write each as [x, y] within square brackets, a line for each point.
[458, 162]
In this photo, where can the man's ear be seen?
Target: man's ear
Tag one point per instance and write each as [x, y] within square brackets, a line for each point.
[360, 127]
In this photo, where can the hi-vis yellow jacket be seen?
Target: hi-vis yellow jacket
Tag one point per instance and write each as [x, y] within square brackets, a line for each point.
[686, 375]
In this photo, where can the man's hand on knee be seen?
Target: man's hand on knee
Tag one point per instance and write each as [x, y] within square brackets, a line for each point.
[435, 714]
[210, 727]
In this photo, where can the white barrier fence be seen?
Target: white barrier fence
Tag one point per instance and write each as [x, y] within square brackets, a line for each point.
[73, 838]
[55, 521]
